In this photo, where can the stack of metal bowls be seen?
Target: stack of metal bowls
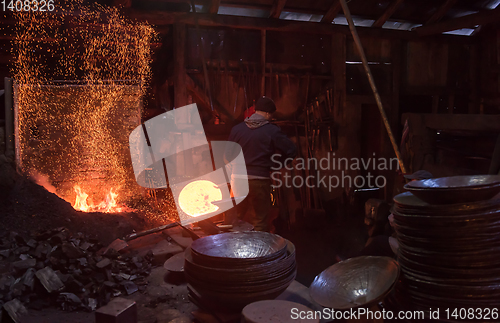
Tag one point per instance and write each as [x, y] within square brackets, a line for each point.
[456, 189]
[232, 270]
[450, 253]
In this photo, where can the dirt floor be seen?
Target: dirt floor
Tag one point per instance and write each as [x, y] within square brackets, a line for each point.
[320, 243]
[26, 207]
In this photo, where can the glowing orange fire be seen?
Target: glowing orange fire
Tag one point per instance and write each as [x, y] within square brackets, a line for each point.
[109, 204]
[196, 198]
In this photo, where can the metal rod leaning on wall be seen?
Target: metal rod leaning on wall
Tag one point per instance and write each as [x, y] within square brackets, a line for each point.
[357, 41]
[9, 118]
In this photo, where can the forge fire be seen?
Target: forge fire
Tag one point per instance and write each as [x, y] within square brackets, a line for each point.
[73, 119]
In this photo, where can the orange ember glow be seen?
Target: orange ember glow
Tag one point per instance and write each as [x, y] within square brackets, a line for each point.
[107, 206]
[196, 198]
[77, 97]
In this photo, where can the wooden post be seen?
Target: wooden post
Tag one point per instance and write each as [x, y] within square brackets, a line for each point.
[435, 104]
[474, 79]
[339, 73]
[361, 51]
[263, 62]
[451, 103]
[180, 90]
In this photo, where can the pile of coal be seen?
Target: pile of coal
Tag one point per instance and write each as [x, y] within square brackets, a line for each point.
[74, 272]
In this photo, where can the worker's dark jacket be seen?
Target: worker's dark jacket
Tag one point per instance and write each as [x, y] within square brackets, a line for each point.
[259, 140]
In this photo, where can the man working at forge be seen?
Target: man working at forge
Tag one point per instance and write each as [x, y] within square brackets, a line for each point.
[259, 140]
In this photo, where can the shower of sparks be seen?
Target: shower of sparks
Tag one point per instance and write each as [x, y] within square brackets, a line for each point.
[80, 75]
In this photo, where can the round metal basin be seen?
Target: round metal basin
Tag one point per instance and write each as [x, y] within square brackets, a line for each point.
[355, 282]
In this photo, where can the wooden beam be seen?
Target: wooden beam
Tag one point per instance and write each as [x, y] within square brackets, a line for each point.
[214, 7]
[253, 23]
[332, 12]
[391, 9]
[441, 11]
[277, 8]
[480, 18]
[180, 92]
[464, 122]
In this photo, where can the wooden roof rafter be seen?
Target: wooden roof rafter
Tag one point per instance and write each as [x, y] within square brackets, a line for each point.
[441, 11]
[391, 9]
[332, 12]
[469, 21]
[277, 8]
[214, 6]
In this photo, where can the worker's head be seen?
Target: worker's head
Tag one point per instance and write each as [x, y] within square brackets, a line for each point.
[265, 106]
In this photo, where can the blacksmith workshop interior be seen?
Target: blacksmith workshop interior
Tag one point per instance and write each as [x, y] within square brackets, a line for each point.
[220, 161]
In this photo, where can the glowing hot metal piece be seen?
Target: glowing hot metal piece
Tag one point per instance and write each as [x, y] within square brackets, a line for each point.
[196, 198]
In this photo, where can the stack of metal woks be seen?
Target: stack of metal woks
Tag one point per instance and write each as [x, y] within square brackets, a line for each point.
[232, 270]
[449, 241]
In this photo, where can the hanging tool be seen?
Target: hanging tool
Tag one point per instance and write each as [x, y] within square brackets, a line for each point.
[329, 103]
[256, 81]
[237, 91]
[245, 79]
[136, 235]
[330, 145]
[210, 78]
[331, 119]
[226, 67]
[309, 212]
[218, 77]
[277, 87]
